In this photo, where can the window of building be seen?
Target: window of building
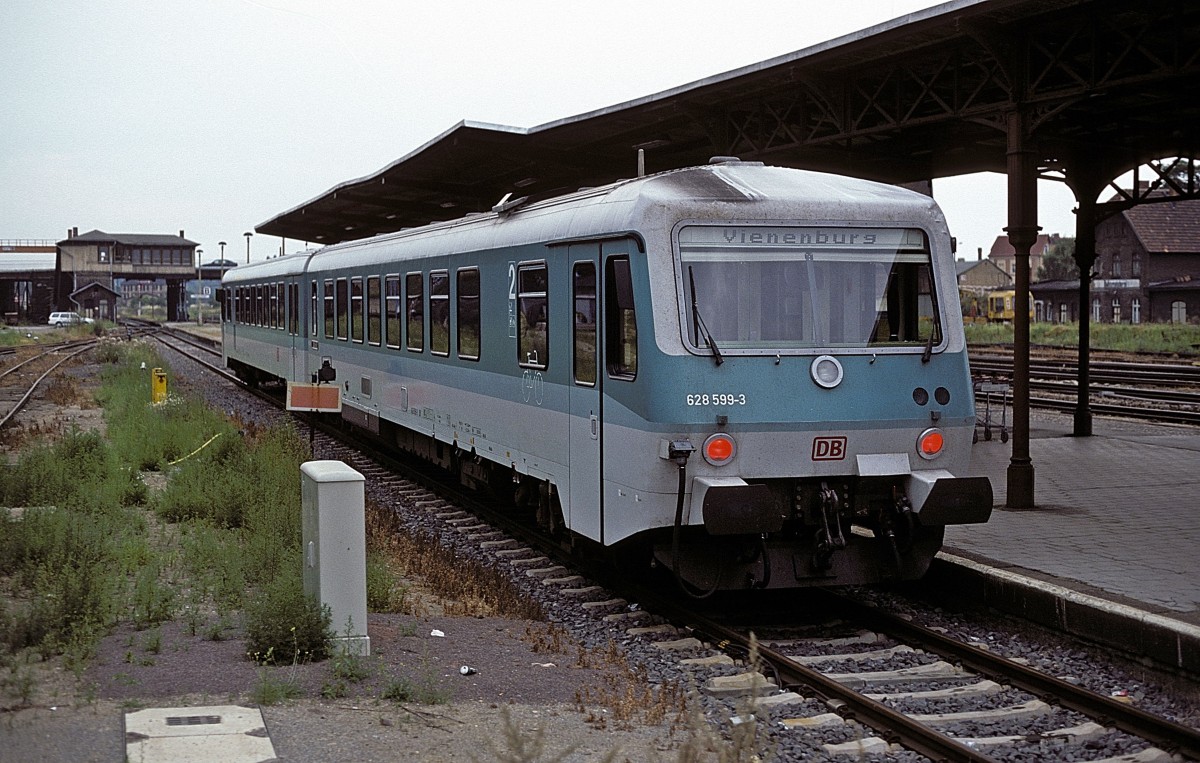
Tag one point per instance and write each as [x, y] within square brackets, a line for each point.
[1137, 267]
[395, 318]
[1135, 311]
[1178, 311]
[583, 328]
[1064, 313]
[330, 310]
[414, 292]
[374, 311]
[356, 309]
[1096, 310]
[467, 318]
[1116, 310]
[533, 334]
[620, 325]
[1116, 267]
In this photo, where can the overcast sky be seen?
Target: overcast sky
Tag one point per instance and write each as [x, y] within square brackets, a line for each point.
[212, 116]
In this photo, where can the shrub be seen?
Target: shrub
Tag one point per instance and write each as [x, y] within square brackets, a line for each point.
[284, 626]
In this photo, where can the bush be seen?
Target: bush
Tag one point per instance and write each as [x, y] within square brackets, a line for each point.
[285, 626]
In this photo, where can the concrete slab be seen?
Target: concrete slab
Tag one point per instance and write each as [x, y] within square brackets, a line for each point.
[228, 733]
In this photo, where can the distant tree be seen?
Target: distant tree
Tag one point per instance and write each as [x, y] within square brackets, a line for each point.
[1059, 262]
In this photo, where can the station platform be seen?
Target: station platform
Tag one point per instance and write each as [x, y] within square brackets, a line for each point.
[1111, 550]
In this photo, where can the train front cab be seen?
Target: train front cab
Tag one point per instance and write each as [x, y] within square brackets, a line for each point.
[812, 371]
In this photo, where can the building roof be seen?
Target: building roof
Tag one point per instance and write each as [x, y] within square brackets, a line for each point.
[129, 239]
[1002, 247]
[1169, 227]
[961, 267]
[25, 262]
[916, 98]
[94, 286]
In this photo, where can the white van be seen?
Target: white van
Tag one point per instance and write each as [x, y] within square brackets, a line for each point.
[64, 319]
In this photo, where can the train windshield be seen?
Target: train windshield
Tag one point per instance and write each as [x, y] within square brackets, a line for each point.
[751, 288]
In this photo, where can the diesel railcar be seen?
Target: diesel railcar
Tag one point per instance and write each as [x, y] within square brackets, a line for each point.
[747, 375]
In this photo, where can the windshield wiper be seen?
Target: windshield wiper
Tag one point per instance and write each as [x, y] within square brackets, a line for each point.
[933, 330]
[698, 322]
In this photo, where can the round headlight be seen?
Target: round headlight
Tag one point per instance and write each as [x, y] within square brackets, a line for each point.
[826, 371]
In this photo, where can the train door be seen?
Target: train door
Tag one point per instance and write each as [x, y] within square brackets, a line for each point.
[584, 502]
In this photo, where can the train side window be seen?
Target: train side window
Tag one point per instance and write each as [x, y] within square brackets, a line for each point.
[533, 333]
[439, 312]
[583, 330]
[293, 308]
[314, 310]
[414, 290]
[356, 309]
[467, 318]
[330, 314]
[374, 310]
[620, 328]
[277, 296]
[259, 301]
[342, 306]
[395, 318]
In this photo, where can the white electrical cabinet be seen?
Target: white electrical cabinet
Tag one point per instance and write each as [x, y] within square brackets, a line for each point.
[335, 549]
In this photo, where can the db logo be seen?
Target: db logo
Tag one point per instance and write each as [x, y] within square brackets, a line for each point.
[829, 448]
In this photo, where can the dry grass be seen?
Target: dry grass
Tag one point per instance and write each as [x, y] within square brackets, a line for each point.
[460, 587]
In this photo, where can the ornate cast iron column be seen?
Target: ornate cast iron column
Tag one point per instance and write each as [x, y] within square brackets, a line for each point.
[1022, 234]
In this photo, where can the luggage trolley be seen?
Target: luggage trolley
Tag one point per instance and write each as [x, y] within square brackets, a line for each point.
[988, 389]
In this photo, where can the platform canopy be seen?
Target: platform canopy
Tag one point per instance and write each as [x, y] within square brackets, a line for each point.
[924, 96]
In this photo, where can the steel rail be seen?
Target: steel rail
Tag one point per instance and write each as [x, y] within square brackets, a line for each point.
[29, 393]
[1168, 735]
[890, 724]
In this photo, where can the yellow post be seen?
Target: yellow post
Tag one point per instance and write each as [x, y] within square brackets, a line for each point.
[158, 385]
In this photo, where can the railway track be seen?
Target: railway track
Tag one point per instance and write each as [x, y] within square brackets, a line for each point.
[19, 381]
[815, 700]
[1147, 391]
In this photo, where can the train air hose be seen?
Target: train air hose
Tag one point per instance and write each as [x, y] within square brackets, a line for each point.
[679, 454]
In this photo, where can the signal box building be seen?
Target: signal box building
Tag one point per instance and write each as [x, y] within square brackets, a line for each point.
[91, 265]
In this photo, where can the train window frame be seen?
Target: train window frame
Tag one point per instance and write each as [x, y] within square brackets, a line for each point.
[330, 308]
[439, 302]
[314, 300]
[341, 308]
[355, 314]
[584, 303]
[393, 310]
[414, 299]
[536, 301]
[293, 309]
[374, 311]
[260, 300]
[620, 319]
[468, 318]
[280, 304]
[876, 287]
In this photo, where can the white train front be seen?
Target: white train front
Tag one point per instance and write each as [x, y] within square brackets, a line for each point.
[751, 376]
